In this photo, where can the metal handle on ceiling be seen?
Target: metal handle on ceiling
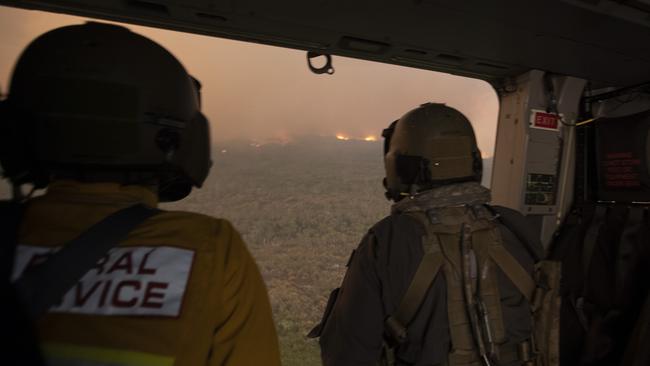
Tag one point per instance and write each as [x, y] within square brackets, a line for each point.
[326, 69]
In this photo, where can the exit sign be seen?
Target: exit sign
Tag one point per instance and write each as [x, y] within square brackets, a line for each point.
[547, 121]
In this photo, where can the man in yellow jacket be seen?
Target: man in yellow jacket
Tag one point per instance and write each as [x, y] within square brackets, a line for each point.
[105, 119]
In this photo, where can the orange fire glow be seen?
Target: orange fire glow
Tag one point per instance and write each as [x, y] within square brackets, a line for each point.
[342, 137]
[370, 138]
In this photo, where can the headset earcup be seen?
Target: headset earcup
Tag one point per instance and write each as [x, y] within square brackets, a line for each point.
[384, 182]
[387, 134]
[194, 161]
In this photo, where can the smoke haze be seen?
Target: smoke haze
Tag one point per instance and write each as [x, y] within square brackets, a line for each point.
[300, 207]
[261, 92]
[266, 93]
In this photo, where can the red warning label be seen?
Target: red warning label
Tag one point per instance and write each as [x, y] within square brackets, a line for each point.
[545, 120]
[621, 170]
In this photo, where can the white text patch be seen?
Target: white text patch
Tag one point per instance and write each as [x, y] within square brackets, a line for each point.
[126, 281]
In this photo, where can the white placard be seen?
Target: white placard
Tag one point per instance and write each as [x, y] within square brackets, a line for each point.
[126, 281]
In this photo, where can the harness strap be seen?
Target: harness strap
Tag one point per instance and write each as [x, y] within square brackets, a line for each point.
[43, 285]
[442, 253]
[472, 299]
[427, 270]
[514, 271]
[414, 297]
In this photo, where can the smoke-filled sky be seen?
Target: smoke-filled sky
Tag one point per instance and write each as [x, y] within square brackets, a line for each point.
[265, 93]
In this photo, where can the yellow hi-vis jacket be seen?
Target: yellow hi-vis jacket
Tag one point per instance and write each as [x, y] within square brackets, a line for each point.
[181, 290]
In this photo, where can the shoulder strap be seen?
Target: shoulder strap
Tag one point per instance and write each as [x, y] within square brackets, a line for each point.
[42, 286]
[514, 271]
[508, 264]
[516, 223]
[425, 274]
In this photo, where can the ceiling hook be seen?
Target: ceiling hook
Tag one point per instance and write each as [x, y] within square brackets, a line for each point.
[326, 69]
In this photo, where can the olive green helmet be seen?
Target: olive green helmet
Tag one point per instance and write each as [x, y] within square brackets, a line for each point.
[97, 102]
[430, 146]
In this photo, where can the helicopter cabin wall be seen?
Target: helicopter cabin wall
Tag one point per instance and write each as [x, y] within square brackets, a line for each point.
[623, 105]
[534, 155]
[616, 147]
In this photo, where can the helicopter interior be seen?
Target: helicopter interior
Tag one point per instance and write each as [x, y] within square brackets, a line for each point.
[568, 74]
[538, 55]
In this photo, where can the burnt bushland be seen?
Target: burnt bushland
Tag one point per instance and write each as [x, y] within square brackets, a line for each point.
[301, 208]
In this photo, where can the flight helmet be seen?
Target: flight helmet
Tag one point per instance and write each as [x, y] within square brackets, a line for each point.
[430, 146]
[97, 102]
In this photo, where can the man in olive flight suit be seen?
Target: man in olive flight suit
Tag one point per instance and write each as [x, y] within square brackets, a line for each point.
[433, 173]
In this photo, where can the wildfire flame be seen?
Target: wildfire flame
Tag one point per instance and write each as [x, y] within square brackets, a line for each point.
[344, 137]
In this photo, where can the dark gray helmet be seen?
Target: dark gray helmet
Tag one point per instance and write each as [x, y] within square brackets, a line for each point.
[97, 102]
[430, 146]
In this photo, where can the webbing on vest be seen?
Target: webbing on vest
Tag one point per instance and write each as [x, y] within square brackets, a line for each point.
[415, 294]
[514, 271]
[473, 304]
[475, 316]
[423, 278]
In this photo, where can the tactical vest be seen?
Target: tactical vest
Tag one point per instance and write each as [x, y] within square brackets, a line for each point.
[464, 243]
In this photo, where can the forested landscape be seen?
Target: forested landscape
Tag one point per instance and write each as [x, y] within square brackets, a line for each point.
[302, 207]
